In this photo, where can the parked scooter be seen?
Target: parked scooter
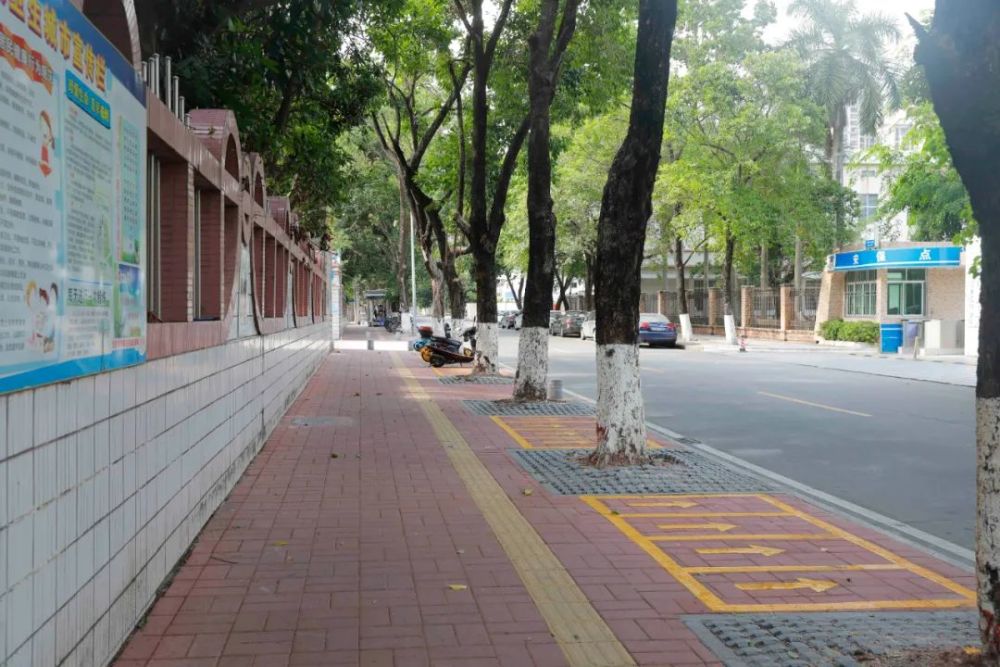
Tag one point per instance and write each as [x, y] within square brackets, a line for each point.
[441, 350]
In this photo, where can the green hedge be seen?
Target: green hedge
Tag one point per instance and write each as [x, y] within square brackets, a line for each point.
[858, 331]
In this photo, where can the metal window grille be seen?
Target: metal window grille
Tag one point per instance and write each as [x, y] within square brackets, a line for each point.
[698, 306]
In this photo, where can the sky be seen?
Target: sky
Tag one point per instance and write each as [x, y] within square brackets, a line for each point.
[895, 9]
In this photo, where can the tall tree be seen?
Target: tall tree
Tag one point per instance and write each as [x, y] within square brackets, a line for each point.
[961, 59]
[847, 63]
[486, 213]
[625, 209]
[546, 48]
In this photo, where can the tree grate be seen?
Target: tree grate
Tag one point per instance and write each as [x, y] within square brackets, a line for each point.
[534, 409]
[829, 640]
[476, 379]
[676, 471]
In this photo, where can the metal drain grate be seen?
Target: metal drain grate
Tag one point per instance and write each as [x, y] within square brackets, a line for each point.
[476, 379]
[828, 640]
[539, 409]
[679, 472]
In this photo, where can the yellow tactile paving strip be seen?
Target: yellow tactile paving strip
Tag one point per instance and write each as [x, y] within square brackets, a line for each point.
[584, 637]
[735, 546]
[554, 432]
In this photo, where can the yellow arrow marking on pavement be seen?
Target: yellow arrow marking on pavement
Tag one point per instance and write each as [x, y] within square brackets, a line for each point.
[818, 585]
[721, 527]
[675, 503]
[752, 549]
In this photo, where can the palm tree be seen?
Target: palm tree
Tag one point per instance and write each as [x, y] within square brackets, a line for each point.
[847, 64]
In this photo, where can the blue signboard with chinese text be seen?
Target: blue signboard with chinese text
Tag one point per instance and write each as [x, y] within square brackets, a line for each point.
[910, 258]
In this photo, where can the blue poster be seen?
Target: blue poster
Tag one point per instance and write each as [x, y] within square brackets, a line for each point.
[73, 224]
[912, 258]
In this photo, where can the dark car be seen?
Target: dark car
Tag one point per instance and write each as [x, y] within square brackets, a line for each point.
[569, 324]
[656, 330]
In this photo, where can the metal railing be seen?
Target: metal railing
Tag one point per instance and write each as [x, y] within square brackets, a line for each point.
[804, 306]
[720, 314]
[698, 306]
[766, 307]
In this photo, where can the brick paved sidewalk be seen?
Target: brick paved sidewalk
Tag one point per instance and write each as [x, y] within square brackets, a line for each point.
[385, 524]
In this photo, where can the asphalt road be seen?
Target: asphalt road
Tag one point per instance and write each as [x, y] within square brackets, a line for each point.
[904, 448]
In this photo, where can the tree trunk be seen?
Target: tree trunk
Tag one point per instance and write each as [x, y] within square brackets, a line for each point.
[961, 58]
[487, 342]
[402, 265]
[682, 301]
[533, 346]
[797, 270]
[561, 301]
[588, 284]
[515, 291]
[729, 319]
[626, 207]
[834, 157]
[765, 280]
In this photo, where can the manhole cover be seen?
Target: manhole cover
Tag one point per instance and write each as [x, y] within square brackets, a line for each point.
[539, 409]
[322, 421]
[476, 379]
[828, 640]
[685, 472]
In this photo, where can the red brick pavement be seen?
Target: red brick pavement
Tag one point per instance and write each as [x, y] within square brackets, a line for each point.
[339, 544]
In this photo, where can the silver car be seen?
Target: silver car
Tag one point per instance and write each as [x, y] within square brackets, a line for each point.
[589, 327]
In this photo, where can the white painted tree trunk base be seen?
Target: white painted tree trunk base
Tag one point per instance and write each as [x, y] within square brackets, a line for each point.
[687, 333]
[532, 364]
[988, 514]
[621, 416]
[730, 323]
[487, 349]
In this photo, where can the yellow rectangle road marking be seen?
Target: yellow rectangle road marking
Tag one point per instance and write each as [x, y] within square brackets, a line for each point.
[695, 515]
[688, 575]
[813, 405]
[542, 441]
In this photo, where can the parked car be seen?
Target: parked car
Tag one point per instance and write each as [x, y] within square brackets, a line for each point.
[518, 320]
[656, 330]
[569, 324]
[589, 327]
[553, 316]
[503, 316]
[509, 319]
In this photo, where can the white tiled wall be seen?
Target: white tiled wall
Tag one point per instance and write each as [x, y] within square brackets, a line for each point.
[106, 480]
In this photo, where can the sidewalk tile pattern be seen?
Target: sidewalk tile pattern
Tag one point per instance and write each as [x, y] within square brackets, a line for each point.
[564, 432]
[828, 640]
[476, 379]
[505, 408]
[755, 553]
[677, 471]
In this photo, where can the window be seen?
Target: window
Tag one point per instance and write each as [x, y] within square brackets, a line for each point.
[859, 294]
[869, 206]
[906, 292]
[899, 134]
[153, 236]
[867, 141]
[868, 173]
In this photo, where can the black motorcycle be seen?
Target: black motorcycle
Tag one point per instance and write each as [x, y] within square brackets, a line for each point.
[441, 350]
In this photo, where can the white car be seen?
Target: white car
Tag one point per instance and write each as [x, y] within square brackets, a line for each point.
[518, 319]
[589, 327]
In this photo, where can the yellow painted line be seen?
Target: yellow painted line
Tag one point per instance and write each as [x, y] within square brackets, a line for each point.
[512, 433]
[699, 590]
[930, 575]
[814, 405]
[735, 569]
[754, 536]
[687, 575]
[753, 549]
[584, 637]
[815, 585]
[695, 515]
[721, 527]
[676, 503]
